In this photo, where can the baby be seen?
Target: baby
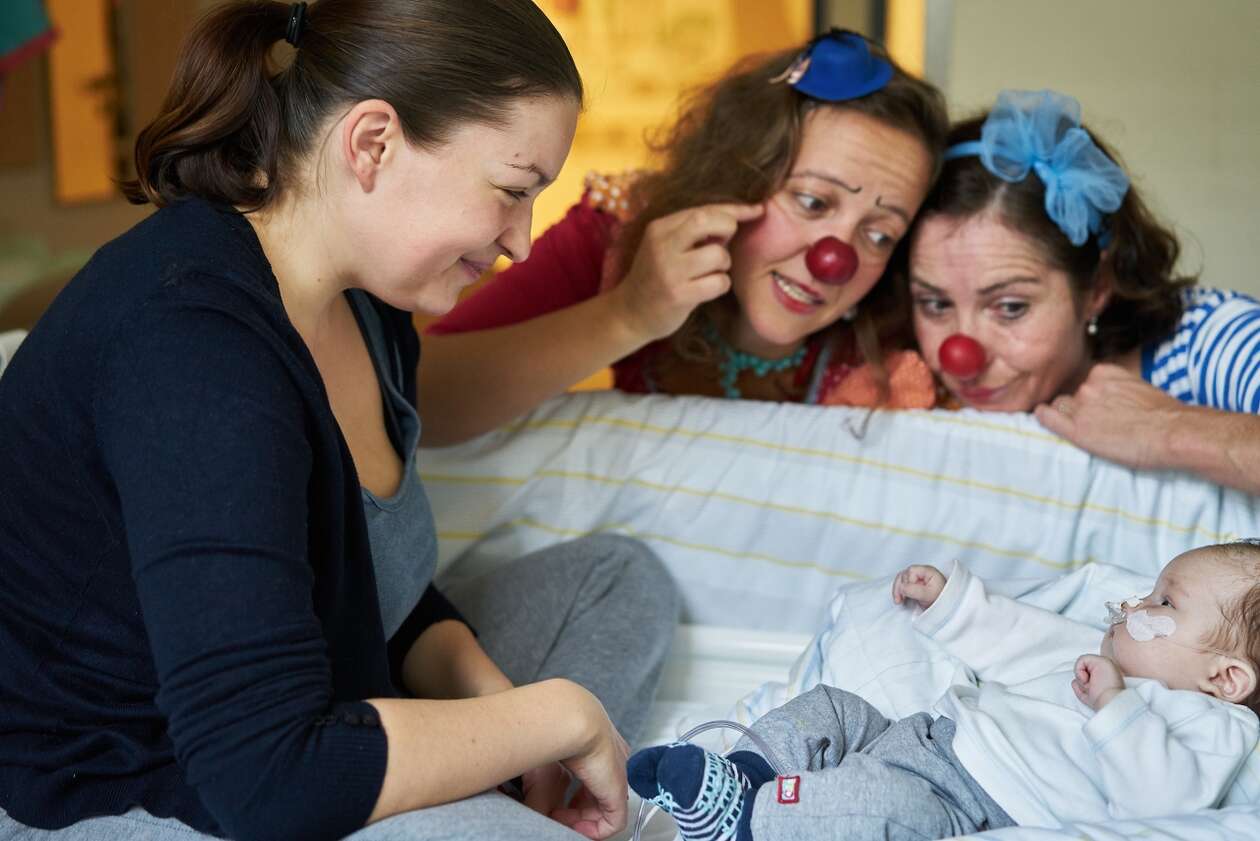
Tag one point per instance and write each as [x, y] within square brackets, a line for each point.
[1158, 722]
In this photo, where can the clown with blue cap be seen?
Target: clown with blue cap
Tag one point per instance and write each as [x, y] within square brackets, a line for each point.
[746, 265]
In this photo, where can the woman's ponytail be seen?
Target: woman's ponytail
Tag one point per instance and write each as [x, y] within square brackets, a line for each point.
[216, 135]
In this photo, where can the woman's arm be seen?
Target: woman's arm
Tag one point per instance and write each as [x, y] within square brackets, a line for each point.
[441, 751]
[446, 661]
[471, 382]
[1121, 417]
[1221, 446]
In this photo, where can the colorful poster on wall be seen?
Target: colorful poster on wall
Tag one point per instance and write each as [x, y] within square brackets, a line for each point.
[25, 32]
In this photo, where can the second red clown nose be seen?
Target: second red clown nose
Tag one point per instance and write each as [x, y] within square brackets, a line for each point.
[961, 356]
[831, 260]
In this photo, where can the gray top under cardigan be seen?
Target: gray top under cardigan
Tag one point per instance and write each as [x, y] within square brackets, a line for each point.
[400, 527]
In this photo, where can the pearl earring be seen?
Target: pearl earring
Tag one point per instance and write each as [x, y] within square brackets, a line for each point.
[1092, 327]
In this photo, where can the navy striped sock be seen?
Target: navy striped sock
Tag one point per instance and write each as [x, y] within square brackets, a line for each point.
[703, 791]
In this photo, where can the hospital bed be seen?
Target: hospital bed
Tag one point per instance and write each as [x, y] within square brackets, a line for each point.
[779, 521]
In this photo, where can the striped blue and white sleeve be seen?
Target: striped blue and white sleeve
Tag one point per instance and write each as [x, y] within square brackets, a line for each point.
[1213, 357]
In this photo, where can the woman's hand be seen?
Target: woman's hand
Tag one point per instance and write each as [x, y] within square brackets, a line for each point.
[544, 787]
[1116, 415]
[1119, 416]
[447, 661]
[598, 810]
[682, 261]
[919, 583]
[1098, 680]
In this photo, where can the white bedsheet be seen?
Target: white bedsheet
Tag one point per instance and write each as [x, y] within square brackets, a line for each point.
[761, 509]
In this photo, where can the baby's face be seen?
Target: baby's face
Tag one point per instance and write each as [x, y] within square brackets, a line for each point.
[1192, 591]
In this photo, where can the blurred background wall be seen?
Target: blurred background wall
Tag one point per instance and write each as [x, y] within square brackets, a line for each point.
[1172, 85]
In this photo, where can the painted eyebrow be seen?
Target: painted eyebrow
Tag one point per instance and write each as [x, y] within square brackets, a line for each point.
[988, 290]
[892, 208]
[543, 178]
[839, 182]
[918, 281]
[849, 188]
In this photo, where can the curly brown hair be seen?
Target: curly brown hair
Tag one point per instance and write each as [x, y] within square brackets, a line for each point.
[1139, 261]
[735, 141]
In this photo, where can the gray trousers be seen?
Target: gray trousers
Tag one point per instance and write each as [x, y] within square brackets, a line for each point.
[865, 777]
[598, 610]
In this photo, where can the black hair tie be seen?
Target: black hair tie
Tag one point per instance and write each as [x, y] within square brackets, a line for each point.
[297, 24]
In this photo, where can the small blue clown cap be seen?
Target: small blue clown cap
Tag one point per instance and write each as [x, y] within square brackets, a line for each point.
[838, 66]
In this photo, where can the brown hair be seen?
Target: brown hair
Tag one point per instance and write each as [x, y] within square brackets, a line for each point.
[1145, 301]
[736, 140]
[231, 127]
[1241, 626]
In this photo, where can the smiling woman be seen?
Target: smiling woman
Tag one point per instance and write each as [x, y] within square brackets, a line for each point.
[219, 617]
[1034, 247]
[695, 278]
[473, 196]
[976, 279]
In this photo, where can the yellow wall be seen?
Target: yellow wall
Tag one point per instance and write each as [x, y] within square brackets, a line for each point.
[903, 33]
[637, 57]
[82, 124]
[1172, 85]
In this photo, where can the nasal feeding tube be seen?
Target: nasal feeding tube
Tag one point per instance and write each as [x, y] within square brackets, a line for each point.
[1145, 627]
[766, 754]
[1139, 623]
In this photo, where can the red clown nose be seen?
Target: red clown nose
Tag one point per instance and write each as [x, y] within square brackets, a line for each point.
[961, 356]
[831, 260]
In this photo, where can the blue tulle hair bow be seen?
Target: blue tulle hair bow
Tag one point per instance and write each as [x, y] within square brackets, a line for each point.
[1040, 131]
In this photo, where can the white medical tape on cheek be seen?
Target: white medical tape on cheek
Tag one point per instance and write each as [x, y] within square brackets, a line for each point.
[1143, 627]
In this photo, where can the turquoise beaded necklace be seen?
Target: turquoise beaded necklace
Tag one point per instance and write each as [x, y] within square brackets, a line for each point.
[735, 361]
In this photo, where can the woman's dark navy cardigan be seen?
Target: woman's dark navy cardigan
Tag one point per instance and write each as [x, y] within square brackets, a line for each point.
[188, 614]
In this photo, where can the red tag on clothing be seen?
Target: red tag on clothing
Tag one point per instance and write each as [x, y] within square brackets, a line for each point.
[789, 789]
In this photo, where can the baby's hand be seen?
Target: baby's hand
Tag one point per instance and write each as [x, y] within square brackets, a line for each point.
[918, 583]
[1098, 680]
